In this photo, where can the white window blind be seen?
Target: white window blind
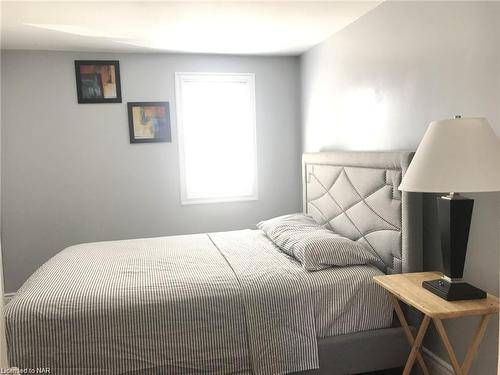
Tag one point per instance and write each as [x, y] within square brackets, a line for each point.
[217, 141]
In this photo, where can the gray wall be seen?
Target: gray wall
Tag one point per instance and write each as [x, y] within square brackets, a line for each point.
[3, 343]
[70, 174]
[378, 83]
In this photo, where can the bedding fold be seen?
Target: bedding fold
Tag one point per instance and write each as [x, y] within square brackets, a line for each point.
[277, 300]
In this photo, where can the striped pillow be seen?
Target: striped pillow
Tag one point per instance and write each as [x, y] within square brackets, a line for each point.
[314, 246]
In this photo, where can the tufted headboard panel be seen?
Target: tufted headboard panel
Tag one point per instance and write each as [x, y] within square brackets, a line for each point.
[356, 195]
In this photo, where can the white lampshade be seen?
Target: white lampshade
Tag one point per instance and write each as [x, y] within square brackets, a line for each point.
[456, 155]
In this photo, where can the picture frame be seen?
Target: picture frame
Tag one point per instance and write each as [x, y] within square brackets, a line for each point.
[149, 122]
[98, 81]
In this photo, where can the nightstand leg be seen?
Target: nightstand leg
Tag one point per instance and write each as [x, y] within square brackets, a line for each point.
[447, 345]
[415, 349]
[407, 331]
[478, 336]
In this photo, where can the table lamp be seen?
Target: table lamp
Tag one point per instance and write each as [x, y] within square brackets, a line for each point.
[455, 156]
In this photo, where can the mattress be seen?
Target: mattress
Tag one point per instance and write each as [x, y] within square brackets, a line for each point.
[346, 300]
[228, 302]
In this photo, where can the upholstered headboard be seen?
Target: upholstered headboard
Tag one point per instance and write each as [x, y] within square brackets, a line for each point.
[356, 195]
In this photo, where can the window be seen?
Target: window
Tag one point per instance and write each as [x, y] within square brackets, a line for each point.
[217, 144]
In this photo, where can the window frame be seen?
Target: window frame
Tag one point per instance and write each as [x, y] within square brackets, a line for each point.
[249, 78]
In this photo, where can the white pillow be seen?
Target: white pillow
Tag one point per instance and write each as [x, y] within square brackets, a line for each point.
[314, 246]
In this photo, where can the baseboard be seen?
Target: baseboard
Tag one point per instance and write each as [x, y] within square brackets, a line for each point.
[7, 297]
[436, 365]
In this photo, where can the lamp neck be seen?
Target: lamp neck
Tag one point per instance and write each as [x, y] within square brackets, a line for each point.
[452, 195]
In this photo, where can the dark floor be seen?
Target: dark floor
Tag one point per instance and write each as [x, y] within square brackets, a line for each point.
[396, 371]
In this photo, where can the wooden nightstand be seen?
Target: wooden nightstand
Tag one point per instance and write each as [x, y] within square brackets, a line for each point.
[408, 288]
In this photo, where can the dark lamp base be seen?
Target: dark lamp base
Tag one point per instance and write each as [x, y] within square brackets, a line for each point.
[453, 291]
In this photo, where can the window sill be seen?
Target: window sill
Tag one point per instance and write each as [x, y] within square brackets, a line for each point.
[191, 201]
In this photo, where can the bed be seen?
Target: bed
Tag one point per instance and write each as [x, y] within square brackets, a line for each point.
[229, 302]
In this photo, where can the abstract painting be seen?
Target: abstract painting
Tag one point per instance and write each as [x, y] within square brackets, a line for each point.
[149, 122]
[98, 81]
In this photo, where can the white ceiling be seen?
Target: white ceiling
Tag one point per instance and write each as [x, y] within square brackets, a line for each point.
[231, 27]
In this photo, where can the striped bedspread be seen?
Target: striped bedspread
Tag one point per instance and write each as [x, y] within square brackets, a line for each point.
[209, 303]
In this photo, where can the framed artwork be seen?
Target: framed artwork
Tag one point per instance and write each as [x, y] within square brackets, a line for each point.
[149, 122]
[98, 81]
